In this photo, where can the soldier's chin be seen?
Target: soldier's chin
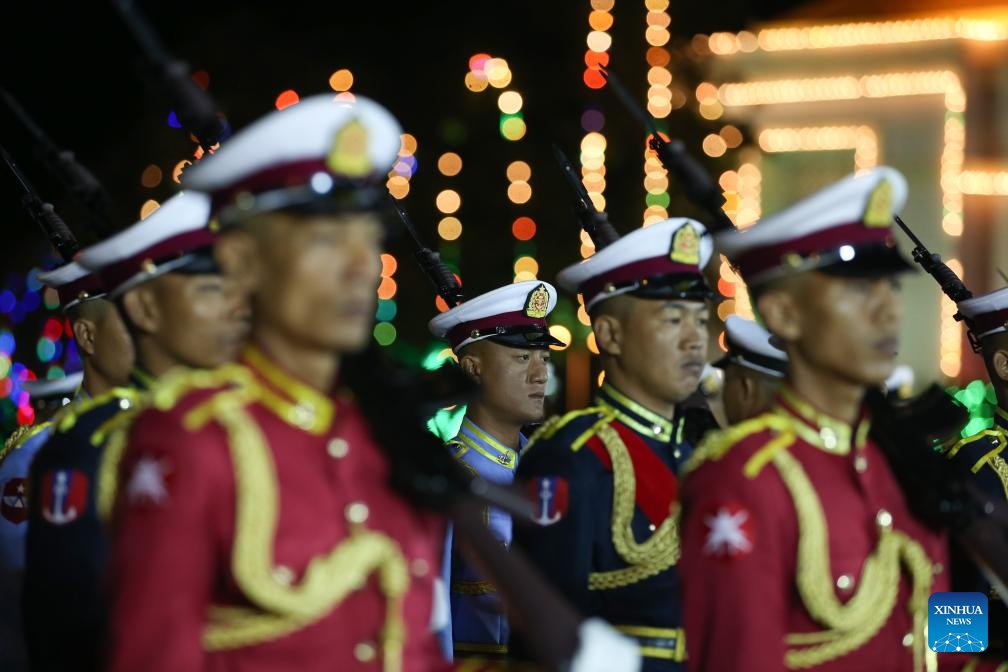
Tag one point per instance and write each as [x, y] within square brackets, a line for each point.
[351, 339]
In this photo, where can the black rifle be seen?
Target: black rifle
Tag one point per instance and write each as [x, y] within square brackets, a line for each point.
[949, 282]
[80, 182]
[700, 189]
[445, 283]
[195, 109]
[43, 213]
[596, 224]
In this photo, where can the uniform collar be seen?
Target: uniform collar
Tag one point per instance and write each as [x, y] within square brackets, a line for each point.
[475, 438]
[1001, 418]
[643, 421]
[290, 399]
[821, 430]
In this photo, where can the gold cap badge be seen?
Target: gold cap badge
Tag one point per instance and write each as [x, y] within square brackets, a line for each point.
[686, 246]
[348, 154]
[879, 212]
[537, 302]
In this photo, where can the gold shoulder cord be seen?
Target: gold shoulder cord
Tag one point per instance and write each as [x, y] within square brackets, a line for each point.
[20, 435]
[849, 625]
[646, 559]
[328, 579]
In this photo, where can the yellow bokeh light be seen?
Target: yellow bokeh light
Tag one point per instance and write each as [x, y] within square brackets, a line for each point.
[657, 37]
[148, 207]
[656, 5]
[449, 164]
[519, 192]
[151, 176]
[600, 20]
[449, 228]
[176, 174]
[711, 111]
[513, 128]
[341, 80]
[497, 72]
[448, 201]
[476, 82]
[731, 135]
[599, 41]
[592, 346]
[603, 5]
[582, 316]
[526, 264]
[509, 102]
[714, 145]
[398, 186]
[389, 265]
[660, 77]
[408, 144]
[519, 171]
[561, 333]
[524, 276]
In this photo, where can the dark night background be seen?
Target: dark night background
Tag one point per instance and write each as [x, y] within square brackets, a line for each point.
[81, 75]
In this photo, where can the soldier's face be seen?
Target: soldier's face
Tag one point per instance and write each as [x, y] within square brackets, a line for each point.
[843, 328]
[745, 394]
[512, 380]
[203, 319]
[318, 278]
[664, 346]
[113, 355]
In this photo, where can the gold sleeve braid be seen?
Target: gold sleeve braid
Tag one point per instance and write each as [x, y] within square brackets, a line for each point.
[327, 580]
[646, 559]
[848, 626]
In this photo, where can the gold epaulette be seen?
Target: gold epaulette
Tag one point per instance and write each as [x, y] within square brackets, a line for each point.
[717, 444]
[954, 448]
[558, 422]
[67, 416]
[20, 435]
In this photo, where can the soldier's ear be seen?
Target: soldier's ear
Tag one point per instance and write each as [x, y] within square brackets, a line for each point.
[141, 309]
[84, 335]
[780, 314]
[999, 364]
[608, 334]
[471, 367]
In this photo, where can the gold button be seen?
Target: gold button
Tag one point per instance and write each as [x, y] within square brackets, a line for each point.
[845, 582]
[883, 519]
[124, 404]
[419, 567]
[337, 448]
[283, 575]
[357, 512]
[861, 464]
[656, 429]
[148, 266]
[677, 453]
[652, 527]
[908, 639]
[829, 437]
[365, 652]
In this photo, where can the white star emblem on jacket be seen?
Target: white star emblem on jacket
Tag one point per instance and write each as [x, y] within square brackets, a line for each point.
[147, 482]
[725, 535]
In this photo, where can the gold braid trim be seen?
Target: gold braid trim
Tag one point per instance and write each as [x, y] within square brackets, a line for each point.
[20, 435]
[327, 580]
[556, 423]
[67, 416]
[106, 477]
[1000, 467]
[717, 444]
[473, 588]
[179, 382]
[646, 559]
[847, 626]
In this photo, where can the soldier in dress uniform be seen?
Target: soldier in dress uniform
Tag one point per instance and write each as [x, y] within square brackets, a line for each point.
[107, 356]
[799, 546]
[606, 477]
[502, 342]
[753, 369]
[985, 453]
[179, 312]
